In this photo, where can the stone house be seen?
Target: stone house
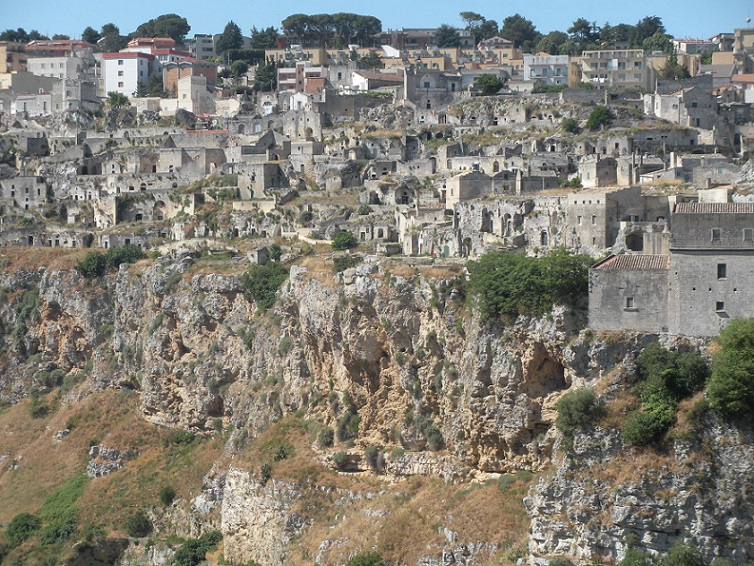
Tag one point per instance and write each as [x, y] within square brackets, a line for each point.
[695, 289]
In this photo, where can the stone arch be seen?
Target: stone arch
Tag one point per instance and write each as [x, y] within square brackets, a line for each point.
[495, 166]
[158, 211]
[544, 238]
[241, 129]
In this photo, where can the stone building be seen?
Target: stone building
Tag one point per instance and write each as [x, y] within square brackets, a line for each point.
[695, 290]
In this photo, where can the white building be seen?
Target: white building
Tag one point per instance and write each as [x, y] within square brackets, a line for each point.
[550, 69]
[124, 72]
[56, 67]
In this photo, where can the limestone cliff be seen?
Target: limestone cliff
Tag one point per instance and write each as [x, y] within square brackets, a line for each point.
[386, 346]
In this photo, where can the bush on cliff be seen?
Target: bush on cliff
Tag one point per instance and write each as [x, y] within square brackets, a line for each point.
[730, 390]
[507, 284]
[370, 559]
[666, 377]
[96, 263]
[261, 283]
[576, 410]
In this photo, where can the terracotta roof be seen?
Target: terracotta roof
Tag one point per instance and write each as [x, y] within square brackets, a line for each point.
[128, 55]
[714, 208]
[747, 78]
[635, 262]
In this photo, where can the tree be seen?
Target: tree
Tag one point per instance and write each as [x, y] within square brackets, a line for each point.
[551, 42]
[599, 116]
[167, 25]
[370, 61]
[490, 84]
[447, 36]
[730, 390]
[21, 527]
[659, 41]
[61, 36]
[520, 31]
[90, 35]
[673, 70]
[265, 38]
[112, 39]
[19, 35]
[230, 38]
[584, 31]
[34, 35]
[153, 88]
[570, 125]
[260, 283]
[266, 77]
[474, 23]
[577, 410]
[239, 68]
[344, 240]
[117, 100]
[645, 29]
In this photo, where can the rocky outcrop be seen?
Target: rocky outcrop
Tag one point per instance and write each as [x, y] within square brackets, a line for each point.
[605, 496]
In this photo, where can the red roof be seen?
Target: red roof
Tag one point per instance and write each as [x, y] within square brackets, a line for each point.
[747, 78]
[128, 55]
[170, 51]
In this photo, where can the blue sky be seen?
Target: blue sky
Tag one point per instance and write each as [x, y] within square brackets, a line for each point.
[682, 18]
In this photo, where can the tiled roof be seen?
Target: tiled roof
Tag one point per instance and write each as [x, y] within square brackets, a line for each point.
[714, 207]
[635, 262]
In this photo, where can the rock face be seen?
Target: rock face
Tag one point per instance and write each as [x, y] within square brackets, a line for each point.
[104, 460]
[392, 351]
[601, 497]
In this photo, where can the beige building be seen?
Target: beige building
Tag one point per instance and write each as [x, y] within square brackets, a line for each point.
[617, 67]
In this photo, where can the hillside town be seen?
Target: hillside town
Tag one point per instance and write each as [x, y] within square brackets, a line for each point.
[439, 143]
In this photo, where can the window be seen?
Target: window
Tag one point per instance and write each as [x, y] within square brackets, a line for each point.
[120, 73]
[748, 234]
[630, 302]
[120, 61]
[722, 270]
[594, 220]
[120, 85]
[716, 234]
[720, 306]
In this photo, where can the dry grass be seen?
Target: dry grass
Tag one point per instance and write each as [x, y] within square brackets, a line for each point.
[617, 408]
[111, 419]
[402, 518]
[33, 257]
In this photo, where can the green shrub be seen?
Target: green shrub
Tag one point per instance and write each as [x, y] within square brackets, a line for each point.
[194, 551]
[60, 504]
[599, 116]
[369, 559]
[635, 557]
[167, 495]
[363, 210]
[94, 264]
[265, 473]
[348, 425]
[682, 554]
[137, 525]
[577, 410]
[730, 390]
[570, 125]
[261, 283]
[642, 428]
[344, 240]
[343, 262]
[275, 252]
[560, 561]
[21, 527]
[59, 530]
[371, 456]
[506, 284]
[340, 458]
[325, 437]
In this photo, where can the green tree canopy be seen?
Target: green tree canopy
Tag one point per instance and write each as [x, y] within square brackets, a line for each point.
[167, 25]
[344, 240]
[599, 116]
[447, 36]
[266, 78]
[230, 38]
[506, 284]
[91, 35]
[480, 27]
[117, 100]
[730, 390]
[239, 68]
[328, 30]
[265, 38]
[520, 31]
[490, 84]
[551, 42]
